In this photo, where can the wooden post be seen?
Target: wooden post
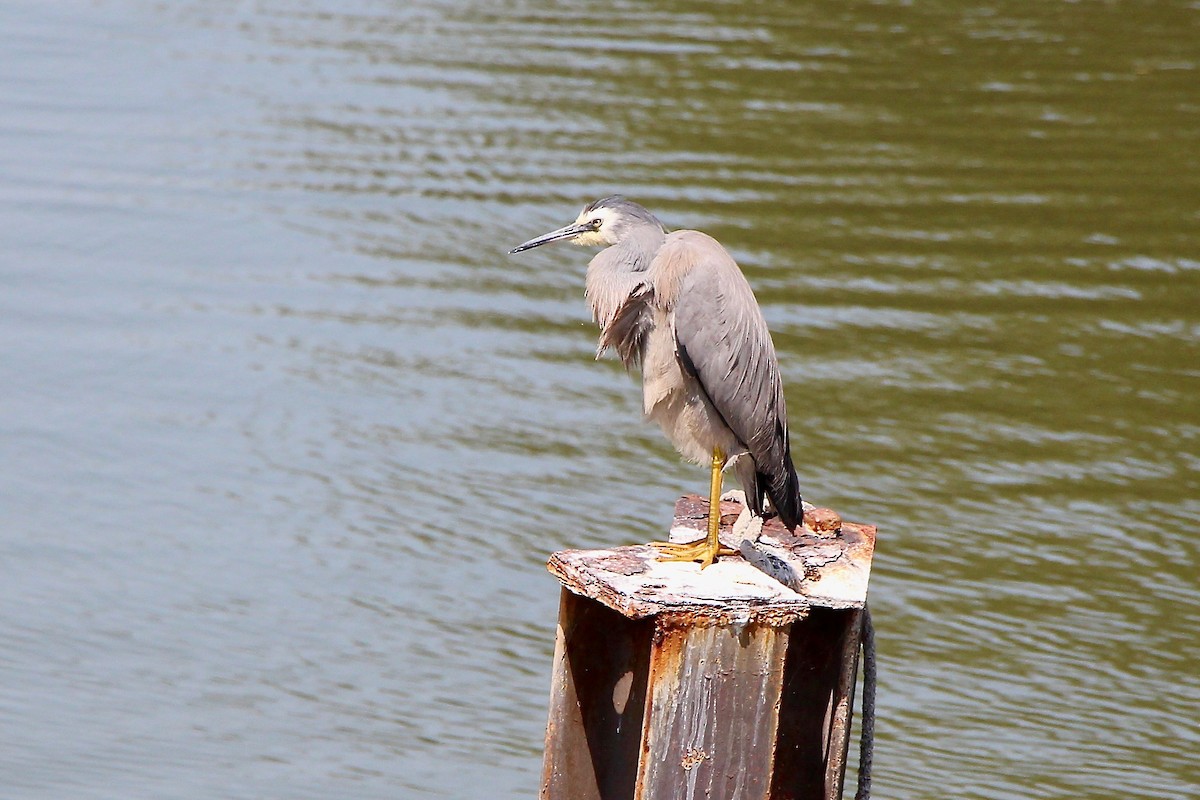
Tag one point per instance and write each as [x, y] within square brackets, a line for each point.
[723, 684]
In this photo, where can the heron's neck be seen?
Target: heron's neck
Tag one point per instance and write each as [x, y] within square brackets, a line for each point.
[638, 247]
[618, 271]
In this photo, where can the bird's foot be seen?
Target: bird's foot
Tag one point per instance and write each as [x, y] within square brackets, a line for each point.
[701, 550]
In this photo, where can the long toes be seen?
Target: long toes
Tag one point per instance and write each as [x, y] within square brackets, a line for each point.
[691, 551]
[679, 553]
[687, 558]
[678, 550]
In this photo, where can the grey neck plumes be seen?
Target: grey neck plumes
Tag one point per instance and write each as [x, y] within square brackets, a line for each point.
[620, 270]
[639, 245]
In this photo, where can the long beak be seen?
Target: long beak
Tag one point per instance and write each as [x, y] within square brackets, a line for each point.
[568, 232]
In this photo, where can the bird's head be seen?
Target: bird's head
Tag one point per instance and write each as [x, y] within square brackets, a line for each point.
[603, 222]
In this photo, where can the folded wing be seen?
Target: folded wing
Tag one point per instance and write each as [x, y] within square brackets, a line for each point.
[723, 342]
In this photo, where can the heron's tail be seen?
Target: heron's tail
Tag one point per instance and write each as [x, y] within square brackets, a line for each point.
[782, 486]
[784, 491]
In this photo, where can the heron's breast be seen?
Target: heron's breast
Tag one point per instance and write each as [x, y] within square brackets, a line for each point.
[662, 379]
[676, 401]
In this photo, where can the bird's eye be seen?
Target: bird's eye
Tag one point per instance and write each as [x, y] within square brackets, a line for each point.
[596, 223]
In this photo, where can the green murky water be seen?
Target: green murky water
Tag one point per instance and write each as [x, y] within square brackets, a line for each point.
[285, 437]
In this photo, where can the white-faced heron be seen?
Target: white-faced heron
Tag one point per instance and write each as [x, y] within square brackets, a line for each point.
[678, 305]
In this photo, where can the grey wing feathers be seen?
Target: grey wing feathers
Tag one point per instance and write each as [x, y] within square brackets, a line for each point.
[722, 339]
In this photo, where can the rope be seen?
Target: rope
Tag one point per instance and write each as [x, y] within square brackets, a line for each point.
[866, 745]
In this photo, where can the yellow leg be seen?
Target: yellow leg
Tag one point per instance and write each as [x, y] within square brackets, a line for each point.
[704, 550]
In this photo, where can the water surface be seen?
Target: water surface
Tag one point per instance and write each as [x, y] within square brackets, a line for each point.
[285, 436]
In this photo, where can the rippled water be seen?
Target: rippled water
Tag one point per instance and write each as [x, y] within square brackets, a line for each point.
[285, 437]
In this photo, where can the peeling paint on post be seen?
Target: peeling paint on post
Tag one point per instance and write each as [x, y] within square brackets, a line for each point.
[675, 683]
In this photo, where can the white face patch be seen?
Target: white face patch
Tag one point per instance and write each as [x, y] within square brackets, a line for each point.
[598, 237]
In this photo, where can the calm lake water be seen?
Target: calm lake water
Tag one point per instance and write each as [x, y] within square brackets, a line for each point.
[285, 436]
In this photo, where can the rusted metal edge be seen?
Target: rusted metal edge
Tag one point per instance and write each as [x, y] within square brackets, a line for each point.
[841, 715]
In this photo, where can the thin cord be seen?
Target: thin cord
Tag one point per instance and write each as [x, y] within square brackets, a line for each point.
[866, 745]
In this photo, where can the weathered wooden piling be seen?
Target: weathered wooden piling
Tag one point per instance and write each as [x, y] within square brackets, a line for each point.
[726, 683]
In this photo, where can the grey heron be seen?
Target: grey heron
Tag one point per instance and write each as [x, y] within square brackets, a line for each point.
[677, 305]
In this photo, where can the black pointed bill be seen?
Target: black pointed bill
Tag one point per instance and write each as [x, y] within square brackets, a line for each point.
[569, 232]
